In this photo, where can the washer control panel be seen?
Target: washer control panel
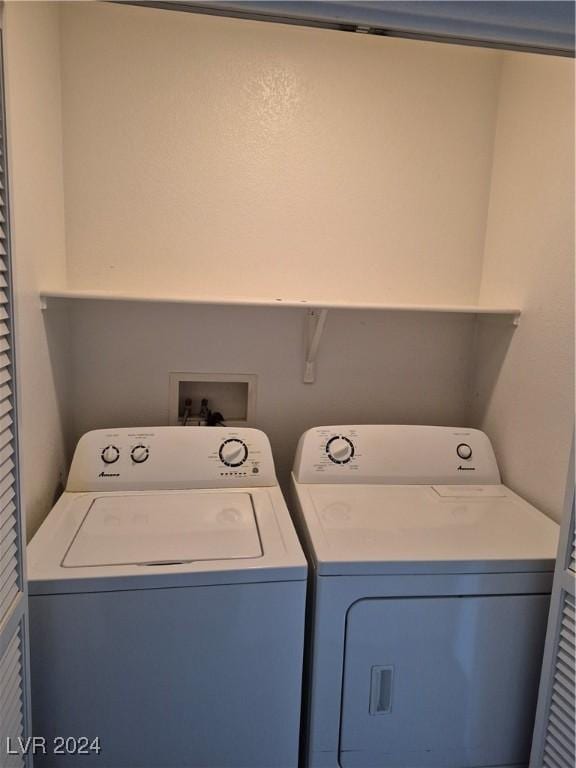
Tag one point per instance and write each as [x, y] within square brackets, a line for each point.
[171, 458]
[396, 455]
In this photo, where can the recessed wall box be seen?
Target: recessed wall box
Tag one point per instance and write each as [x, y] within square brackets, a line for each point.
[231, 394]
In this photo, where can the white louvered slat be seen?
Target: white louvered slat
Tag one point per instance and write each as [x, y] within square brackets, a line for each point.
[5, 468]
[11, 699]
[6, 422]
[558, 720]
[6, 483]
[5, 406]
[5, 375]
[8, 592]
[5, 392]
[552, 758]
[6, 438]
[14, 725]
[7, 661]
[9, 680]
[14, 709]
[561, 737]
[7, 513]
[8, 535]
[6, 497]
[6, 453]
[13, 722]
[559, 749]
[9, 684]
[7, 571]
[7, 558]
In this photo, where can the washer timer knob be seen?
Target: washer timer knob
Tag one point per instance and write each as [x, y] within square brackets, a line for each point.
[340, 449]
[139, 454]
[110, 454]
[233, 452]
[464, 451]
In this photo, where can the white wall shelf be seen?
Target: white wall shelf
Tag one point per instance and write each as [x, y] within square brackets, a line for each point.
[464, 309]
[317, 311]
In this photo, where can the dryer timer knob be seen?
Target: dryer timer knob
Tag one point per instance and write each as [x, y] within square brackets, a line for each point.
[340, 449]
[464, 451]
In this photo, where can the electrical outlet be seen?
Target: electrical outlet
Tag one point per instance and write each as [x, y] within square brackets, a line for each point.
[231, 394]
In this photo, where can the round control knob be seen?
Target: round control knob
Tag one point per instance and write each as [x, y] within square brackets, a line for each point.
[233, 452]
[340, 449]
[139, 454]
[464, 451]
[110, 454]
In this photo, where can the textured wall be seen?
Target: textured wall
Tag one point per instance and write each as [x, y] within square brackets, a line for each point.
[32, 61]
[372, 367]
[214, 156]
[223, 157]
[525, 379]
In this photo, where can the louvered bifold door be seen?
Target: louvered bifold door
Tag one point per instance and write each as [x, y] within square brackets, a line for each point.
[14, 712]
[554, 733]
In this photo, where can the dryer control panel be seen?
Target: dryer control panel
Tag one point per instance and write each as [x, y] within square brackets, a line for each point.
[397, 455]
[171, 458]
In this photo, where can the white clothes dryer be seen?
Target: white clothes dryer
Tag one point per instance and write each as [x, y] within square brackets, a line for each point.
[430, 595]
[167, 599]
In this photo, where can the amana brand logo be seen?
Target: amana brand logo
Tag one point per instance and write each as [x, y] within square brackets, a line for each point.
[466, 469]
[109, 474]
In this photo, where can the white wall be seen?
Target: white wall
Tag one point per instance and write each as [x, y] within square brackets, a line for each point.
[32, 75]
[525, 379]
[223, 157]
[372, 367]
[213, 156]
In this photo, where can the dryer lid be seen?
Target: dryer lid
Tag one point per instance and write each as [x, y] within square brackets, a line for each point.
[156, 528]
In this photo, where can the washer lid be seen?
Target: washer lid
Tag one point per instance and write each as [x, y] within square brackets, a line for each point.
[361, 529]
[165, 528]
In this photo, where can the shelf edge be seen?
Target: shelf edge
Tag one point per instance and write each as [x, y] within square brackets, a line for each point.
[81, 295]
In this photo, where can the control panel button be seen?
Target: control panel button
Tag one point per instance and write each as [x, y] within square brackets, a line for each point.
[139, 454]
[464, 451]
[110, 454]
[340, 449]
[233, 452]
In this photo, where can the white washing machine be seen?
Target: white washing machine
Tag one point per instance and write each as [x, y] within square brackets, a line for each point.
[431, 585]
[167, 601]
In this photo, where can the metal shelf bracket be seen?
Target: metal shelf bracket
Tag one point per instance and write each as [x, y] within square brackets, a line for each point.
[316, 320]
